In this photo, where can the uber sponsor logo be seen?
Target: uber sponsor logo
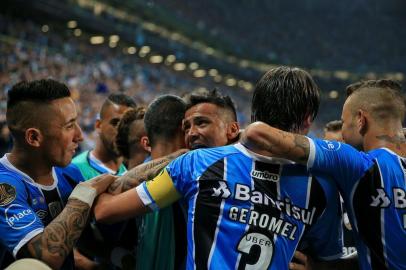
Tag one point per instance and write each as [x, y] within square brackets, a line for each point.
[18, 217]
[265, 175]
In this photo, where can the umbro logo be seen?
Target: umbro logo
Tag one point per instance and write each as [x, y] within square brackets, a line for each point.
[265, 175]
[41, 214]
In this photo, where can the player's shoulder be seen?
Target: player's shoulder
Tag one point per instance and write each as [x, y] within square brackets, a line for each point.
[11, 186]
[9, 175]
[382, 153]
[199, 159]
[208, 154]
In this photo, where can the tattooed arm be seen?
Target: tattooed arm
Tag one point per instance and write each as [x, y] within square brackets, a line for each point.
[58, 238]
[54, 244]
[266, 140]
[142, 172]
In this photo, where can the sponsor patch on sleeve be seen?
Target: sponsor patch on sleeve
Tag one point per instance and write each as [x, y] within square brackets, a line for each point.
[7, 194]
[331, 145]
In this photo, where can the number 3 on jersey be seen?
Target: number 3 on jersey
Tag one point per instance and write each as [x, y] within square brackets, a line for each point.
[255, 240]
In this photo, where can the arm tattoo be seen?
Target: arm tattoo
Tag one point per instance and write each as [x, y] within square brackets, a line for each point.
[281, 144]
[291, 146]
[142, 173]
[303, 147]
[60, 235]
[396, 140]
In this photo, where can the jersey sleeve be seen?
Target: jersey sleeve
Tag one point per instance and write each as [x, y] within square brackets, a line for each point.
[170, 185]
[339, 160]
[18, 221]
[324, 239]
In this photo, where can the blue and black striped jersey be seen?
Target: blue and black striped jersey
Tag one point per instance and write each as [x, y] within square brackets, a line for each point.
[247, 211]
[373, 186]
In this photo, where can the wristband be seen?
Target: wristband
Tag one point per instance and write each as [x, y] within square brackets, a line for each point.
[84, 193]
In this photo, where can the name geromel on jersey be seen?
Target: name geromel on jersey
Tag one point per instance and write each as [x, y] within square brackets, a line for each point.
[263, 217]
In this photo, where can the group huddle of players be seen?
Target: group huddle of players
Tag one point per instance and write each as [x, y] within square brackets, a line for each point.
[266, 197]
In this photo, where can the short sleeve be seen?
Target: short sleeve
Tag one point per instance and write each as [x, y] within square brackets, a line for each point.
[18, 221]
[341, 161]
[170, 185]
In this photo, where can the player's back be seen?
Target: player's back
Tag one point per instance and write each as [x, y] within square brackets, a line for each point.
[250, 212]
[373, 186]
[379, 209]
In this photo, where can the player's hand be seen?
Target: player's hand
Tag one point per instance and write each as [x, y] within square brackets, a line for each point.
[101, 182]
[301, 261]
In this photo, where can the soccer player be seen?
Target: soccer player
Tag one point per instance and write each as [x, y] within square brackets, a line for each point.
[131, 140]
[332, 131]
[41, 217]
[245, 210]
[99, 240]
[372, 183]
[104, 158]
[159, 233]
[210, 120]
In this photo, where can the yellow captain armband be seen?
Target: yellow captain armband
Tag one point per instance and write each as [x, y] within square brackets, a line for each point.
[162, 190]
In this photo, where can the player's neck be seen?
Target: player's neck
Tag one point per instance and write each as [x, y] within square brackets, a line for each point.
[161, 149]
[108, 159]
[31, 164]
[388, 136]
[137, 158]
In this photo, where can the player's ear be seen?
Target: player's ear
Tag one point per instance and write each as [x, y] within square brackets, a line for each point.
[97, 125]
[362, 122]
[307, 124]
[33, 137]
[145, 144]
[233, 131]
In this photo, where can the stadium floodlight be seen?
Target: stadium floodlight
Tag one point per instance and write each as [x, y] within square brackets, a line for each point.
[156, 59]
[95, 40]
[193, 66]
[179, 66]
[218, 78]
[209, 50]
[145, 50]
[248, 86]
[45, 28]
[72, 24]
[213, 72]
[199, 73]
[333, 94]
[131, 50]
[114, 38]
[244, 63]
[241, 83]
[77, 32]
[231, 82]
[170, 58]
